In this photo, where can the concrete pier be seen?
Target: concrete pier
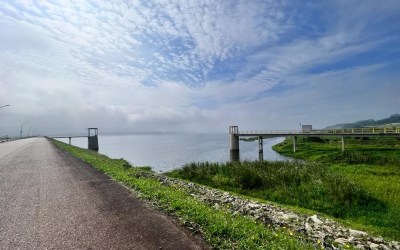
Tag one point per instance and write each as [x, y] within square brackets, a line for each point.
[342, 144]
[260, 149]
[93, 141]
[234, 143]
[294, 144]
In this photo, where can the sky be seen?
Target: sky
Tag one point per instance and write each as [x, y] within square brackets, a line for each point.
[196, 66]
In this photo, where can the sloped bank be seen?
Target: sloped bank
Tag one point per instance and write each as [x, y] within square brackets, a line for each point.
[323, 232]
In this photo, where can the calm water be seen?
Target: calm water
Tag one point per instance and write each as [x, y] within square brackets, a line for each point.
[164, 152]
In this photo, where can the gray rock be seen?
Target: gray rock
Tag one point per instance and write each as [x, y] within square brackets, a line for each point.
[384, 247]
[360, 246]
[309, 228]
[374, 246]
[377, 240]
[357, 233]
[314, 219]
[394, 245]
[342, 241]
[351, 239]
[253, 206]
[289, 217]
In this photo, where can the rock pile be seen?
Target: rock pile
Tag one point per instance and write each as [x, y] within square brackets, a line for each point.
[322, 232]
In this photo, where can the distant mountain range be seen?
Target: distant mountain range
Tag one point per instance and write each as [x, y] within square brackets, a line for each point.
[393, 120]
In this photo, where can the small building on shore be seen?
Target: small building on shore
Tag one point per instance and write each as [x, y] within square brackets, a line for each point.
[306, 128]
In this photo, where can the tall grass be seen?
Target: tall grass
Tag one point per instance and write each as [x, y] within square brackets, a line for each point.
[361, 157]
[309, 185]
[372, 163]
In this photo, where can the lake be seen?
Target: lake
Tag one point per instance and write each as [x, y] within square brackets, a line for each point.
[166, 151]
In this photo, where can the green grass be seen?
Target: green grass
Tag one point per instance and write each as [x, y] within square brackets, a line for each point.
[360, 187]
[373, 164]
[220, 228]
[308, 185]
[376, 151]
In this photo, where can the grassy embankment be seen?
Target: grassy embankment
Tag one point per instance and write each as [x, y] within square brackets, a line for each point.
[373, 164]
[220, 228]
[361, 187]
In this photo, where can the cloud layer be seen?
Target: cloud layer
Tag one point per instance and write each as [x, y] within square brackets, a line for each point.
[127, 66]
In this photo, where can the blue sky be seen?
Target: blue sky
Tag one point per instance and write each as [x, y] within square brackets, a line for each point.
[196, 65]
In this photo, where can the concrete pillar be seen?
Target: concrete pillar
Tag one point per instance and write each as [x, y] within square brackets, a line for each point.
[234, 143]
[342, 144]
[260, 149]
[93, 143]
[69, 140]
[93, 140]
[294, 144]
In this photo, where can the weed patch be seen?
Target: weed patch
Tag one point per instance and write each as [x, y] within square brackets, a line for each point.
[308, 185]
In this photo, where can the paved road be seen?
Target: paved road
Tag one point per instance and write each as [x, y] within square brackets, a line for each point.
[51, 200]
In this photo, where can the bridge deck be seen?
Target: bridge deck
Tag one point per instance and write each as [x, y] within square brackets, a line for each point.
[66, 136]
[359, 132]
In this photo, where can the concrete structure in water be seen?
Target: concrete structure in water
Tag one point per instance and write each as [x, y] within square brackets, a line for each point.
[93, 140]
[234, 143]
[235, 134]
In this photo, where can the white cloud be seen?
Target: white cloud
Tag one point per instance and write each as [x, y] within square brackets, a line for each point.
[162, 65]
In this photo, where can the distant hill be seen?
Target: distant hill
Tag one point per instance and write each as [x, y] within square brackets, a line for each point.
[393, 120]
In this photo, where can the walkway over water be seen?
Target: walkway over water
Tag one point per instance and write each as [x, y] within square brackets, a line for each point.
[235, 135]
[358, 132]
[92, 135]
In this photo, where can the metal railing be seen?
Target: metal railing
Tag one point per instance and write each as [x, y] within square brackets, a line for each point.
[68, 136]
[345, 131]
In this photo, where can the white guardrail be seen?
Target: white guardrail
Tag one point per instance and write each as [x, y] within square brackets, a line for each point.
[349, 131]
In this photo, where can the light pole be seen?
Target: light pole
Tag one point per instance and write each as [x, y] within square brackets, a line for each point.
[300, 127]
[20, 132]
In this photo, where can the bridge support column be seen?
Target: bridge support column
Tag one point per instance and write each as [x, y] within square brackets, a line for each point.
[294, 144]
[260, 149]
[234, 143]
[342, 143]
[69, 140]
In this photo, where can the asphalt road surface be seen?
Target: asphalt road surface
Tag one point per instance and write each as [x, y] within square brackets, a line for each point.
[51, 200]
